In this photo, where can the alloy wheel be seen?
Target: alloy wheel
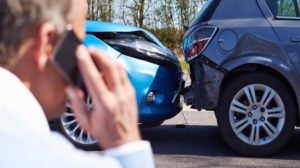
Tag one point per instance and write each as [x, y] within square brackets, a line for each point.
[257, 114]
[72, 128]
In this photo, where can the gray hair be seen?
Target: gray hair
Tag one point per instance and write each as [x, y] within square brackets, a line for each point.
[20, 18]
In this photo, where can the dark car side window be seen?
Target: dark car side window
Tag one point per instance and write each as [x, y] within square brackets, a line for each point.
[284, 8]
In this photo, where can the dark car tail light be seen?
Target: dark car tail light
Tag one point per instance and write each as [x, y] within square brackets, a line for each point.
[197, 47]
[196, 40]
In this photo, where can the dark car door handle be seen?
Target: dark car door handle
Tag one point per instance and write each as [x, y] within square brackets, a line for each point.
[295, 39]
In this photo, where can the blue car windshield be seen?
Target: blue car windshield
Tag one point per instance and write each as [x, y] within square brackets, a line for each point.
[206, 12]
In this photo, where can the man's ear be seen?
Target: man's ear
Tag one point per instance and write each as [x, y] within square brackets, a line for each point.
[44, 43]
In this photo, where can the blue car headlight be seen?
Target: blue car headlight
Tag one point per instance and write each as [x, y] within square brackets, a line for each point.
[144, 50]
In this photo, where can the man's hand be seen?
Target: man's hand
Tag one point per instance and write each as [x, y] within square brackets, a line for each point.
[114, 118]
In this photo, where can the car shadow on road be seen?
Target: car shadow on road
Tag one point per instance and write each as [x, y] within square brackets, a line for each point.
[204, 141]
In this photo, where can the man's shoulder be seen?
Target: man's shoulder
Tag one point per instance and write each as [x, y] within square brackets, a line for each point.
[18, 107]
[11, 86]
[53, 150]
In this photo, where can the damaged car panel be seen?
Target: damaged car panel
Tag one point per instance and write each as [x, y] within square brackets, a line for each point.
[105, 27]
[91, 40]
[206, 79]
[149, 65]
[144, 50]
[153, 70]
[247, 70]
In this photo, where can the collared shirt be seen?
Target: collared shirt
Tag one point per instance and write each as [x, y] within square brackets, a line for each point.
[26, 140]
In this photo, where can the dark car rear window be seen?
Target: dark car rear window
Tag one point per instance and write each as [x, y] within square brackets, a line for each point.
[206, 12]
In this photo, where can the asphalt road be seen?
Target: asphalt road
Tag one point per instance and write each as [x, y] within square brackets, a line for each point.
[192, 140]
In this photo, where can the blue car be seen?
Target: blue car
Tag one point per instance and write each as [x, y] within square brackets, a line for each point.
[153, 69]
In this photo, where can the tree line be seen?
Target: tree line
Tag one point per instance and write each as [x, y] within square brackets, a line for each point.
[165, 18]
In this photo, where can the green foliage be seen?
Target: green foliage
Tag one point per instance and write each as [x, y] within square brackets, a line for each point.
[171, 37]
[286, 8]
[184, 65]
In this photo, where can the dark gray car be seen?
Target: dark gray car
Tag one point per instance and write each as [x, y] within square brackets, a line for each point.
[244, 57]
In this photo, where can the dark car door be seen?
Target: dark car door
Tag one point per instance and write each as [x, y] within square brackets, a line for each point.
[286, 24]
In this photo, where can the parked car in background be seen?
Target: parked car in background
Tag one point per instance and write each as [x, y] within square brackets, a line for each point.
[245, 64]
[153, 69]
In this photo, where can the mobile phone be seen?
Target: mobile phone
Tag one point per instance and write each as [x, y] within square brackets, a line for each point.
[65, 57]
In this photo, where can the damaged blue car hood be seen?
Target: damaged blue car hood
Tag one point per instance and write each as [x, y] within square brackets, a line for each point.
[97, 26]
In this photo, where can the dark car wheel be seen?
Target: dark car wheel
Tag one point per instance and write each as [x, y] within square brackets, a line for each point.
[70, 128]
[256, 114]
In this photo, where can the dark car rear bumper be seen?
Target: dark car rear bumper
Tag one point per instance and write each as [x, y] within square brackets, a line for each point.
[206, 81]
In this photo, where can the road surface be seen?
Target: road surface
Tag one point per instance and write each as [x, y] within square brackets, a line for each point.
[191, 140]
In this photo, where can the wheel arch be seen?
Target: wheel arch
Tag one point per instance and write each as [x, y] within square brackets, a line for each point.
[280, 70]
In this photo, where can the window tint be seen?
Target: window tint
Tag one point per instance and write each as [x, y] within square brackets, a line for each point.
[284, 8]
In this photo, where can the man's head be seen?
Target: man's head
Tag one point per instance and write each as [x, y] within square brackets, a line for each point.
[29, 31]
